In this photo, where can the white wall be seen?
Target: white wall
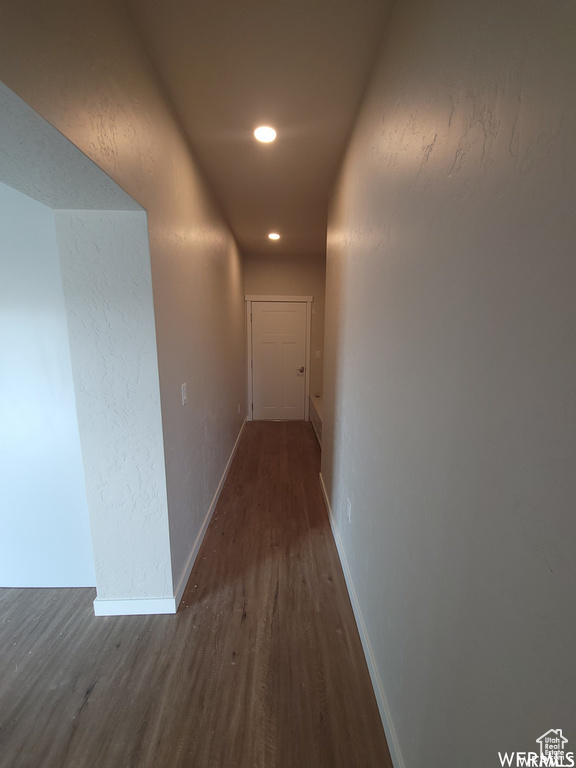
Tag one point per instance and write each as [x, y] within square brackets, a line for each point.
[100, 260]
[45, 534]
[82, 67]
[105, 264]
[450, 376]
[293, 276]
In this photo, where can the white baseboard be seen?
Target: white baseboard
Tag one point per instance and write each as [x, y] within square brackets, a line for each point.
[134, 607]
[393, 744]
[192, 557]
[160, 605]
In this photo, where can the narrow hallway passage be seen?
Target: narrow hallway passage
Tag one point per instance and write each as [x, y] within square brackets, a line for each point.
[262, 665]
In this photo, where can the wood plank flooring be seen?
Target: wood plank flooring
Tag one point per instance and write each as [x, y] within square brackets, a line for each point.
[261, 667]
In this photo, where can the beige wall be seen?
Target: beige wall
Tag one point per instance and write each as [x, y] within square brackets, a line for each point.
[293, 277]
[450, 377]
[81, 66]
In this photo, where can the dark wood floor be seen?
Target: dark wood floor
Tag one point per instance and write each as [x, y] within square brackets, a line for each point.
[261, 667]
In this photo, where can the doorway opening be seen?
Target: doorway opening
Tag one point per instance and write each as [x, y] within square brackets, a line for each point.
[278, 333]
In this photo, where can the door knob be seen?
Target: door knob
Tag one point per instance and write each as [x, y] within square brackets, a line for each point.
[301, 369]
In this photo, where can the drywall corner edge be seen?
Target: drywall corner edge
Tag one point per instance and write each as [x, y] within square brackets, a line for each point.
[179, 591]
[166, 605]
[389, 730]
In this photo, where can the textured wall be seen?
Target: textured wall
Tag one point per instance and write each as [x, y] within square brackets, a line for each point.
[450, 375]
[40, 163]
[44, 529]
[105, 265]
[98, 276]
[293, 277]
[81, 66]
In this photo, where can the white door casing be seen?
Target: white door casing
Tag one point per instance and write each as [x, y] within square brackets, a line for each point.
[278, 357]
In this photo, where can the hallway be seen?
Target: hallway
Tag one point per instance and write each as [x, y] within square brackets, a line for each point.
[261, 666]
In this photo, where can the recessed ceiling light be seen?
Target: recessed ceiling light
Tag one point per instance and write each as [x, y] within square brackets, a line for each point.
[274, 236]
[265, 133]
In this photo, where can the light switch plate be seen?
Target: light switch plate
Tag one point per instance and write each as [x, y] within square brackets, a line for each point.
[184, 394]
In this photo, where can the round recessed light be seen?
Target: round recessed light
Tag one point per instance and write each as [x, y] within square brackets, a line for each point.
[265, 133]
[274, 236]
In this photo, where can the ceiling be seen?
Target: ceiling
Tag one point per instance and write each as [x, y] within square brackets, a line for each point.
[298, 65]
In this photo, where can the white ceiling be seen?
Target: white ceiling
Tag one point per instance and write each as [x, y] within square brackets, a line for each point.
[299, 65]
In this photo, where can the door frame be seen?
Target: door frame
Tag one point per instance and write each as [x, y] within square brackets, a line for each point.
[252, 299]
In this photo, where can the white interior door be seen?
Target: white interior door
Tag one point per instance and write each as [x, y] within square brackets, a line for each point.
[279, 332]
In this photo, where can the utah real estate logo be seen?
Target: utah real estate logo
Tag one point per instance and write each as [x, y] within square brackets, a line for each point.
[552, 754]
